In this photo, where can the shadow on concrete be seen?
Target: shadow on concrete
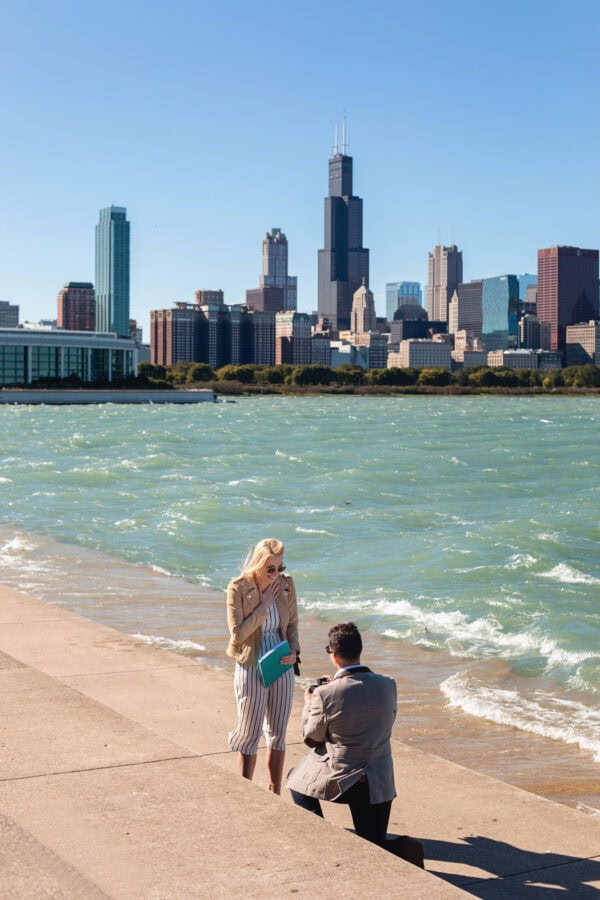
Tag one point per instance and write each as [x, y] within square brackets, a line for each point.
[503, 870]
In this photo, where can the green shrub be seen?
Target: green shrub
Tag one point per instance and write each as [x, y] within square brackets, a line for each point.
[434, 376]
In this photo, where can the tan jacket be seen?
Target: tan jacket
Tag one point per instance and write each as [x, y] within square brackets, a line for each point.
[245, 617]
[348, 724]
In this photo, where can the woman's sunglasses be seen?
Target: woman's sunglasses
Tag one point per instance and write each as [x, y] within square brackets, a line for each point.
[272, 569]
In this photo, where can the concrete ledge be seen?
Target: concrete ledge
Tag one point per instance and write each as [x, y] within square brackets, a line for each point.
[66, 397]
[115, 781]
[29, 869]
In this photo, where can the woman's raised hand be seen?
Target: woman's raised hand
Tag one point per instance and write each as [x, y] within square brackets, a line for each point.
[269, 594]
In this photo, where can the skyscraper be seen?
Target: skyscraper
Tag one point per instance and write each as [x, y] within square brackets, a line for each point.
[176, 334]
[583, 344]
[465, 309]
[76, 307]
[526, 279]
[363, 317]
[445, 272]
[112, 271]
[9, 315]
[292, 338]
[275, 268]
[277, 291]
[343, 262]
[500, 308]
[567, 289]
[400, 293]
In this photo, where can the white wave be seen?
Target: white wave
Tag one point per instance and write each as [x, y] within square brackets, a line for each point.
[177, 476]
[169, 644]
[434, 623]
[560, 720]
[521, 561]
[559, 658]
[590, 810]
[568, 575]
[126, 523]
[301, 530]
[5, 480]
[301, 510]
[580, 683]
[130, 464]
[18, 544]
[288, 456]
[504, 604]
[345, 603]
[455, 461]
[422, 641]
[483, 637]
[161, 571]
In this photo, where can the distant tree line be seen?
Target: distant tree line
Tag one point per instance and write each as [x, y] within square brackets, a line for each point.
[253, 378]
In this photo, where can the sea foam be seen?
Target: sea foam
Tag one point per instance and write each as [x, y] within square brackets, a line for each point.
[185, 647]
[551, 717]
[568, 575]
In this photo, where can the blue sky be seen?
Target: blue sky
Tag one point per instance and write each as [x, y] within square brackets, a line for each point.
[472, 122]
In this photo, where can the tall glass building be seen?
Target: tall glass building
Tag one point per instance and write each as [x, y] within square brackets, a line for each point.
[401, 293]
[525, 281]
[343, 262]
[112, 271]
[500, 308]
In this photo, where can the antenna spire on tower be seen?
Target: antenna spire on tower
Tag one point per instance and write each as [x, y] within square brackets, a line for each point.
[335, 144]
[344, 135]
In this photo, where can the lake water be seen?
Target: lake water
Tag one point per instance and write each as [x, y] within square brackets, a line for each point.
[461, 534]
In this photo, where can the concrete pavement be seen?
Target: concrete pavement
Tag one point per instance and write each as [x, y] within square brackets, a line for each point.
[116, 781]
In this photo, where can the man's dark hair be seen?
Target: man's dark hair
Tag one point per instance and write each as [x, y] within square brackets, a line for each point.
[345, 640]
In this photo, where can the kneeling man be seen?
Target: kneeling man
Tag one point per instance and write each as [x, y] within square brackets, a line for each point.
[348, 723]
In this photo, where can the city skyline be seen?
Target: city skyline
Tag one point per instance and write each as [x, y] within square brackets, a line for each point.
[179, 139]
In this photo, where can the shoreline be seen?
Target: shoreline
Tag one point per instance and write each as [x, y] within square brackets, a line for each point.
[192, 617]
[115, 749]
[214, 390]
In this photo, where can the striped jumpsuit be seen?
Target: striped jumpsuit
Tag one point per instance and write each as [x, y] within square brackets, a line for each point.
[260, 708]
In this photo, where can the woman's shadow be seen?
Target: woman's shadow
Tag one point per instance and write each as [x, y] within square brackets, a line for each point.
[513, 872]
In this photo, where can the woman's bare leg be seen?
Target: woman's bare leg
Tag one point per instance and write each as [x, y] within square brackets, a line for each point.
[247, 765]
[275, 762]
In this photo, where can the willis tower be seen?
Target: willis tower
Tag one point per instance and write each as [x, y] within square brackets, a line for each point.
[343, 262]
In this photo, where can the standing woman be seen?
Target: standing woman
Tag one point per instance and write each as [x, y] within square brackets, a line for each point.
[262, 611]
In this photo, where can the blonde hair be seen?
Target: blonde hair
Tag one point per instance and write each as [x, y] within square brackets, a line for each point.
[258, 556]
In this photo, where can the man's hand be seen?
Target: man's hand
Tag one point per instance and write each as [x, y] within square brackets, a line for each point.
[324, 679]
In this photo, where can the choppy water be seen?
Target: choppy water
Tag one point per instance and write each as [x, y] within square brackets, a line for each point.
[466, 529]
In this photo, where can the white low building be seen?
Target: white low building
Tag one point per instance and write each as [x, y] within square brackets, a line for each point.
[28, 355]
